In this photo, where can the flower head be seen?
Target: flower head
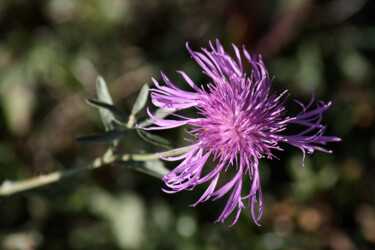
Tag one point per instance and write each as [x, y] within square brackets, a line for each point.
[240, 122]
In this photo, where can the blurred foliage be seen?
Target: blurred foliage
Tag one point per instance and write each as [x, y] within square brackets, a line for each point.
[51, 52]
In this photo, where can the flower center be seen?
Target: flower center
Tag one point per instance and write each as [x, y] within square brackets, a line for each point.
[223, 130]
[233, 120]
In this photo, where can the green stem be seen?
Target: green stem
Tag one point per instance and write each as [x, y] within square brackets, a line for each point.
[12, 187]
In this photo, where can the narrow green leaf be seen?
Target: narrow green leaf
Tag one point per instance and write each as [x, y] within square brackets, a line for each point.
[141, 100]
[105, 97]
[154, 168]
[117, 114]
[160, 113]
[109, 136]
[154, 139]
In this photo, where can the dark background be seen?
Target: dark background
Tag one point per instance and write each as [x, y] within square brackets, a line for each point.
[50, 55]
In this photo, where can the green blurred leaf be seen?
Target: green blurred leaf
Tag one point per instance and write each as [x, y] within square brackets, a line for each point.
[109, 136]
[141, 100]
[117, 114]
[18, 105]
[154, 168]
[159, 113]
[104, 96]
[154, 139]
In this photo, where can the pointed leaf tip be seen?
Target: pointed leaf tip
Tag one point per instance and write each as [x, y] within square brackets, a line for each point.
[107, 137]
[105, 97]
[102, 91]
[154, 139]
[141, 100]
[117, 114]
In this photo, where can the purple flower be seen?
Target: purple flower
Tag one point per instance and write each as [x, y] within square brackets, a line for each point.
[240, 122]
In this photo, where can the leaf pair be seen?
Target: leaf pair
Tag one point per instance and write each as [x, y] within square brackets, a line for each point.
[116, 121]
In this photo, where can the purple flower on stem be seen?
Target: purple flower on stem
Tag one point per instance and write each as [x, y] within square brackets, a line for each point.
[240, 123]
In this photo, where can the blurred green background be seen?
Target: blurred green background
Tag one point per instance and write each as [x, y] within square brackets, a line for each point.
[51, 52]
